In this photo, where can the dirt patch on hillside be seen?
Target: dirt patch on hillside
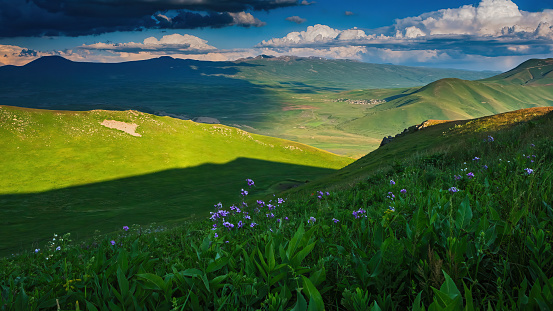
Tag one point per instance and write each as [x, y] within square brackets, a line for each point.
[299, 107]
[128, 128]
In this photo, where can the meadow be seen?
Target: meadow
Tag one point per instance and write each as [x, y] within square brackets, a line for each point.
[66, 171]
[459, 222]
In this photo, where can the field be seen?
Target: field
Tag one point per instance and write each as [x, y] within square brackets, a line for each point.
[64, 171]
[458, 219]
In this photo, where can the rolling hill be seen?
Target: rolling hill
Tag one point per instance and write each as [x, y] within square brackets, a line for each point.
[451, 99]
[94, 170]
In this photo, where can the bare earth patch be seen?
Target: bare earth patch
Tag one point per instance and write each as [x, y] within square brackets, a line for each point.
[128, 128]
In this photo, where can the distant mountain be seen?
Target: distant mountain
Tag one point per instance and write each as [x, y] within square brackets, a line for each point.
[531, 72]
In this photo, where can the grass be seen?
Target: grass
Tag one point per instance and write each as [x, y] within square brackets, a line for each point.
[65, 171]
[459, 222]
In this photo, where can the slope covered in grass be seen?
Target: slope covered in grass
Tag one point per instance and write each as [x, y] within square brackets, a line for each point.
[460, 220]
[451, 99]
[65, 171]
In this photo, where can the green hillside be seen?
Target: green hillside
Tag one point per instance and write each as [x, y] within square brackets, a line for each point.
[456, 216]
[65, 171]
[531, 72]
[448, 99]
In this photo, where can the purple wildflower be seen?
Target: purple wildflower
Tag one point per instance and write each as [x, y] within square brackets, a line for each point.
[470, 175]
[327, 193]
[392, 182]
[126, 228]
[453, 189]
[404, 191]
[311, 220]
[228, 225]
[216, 235]
[392, 208]
[37, 250]
[490, 139]
[270, 206]
[390, 195]
[335, 220]
[253, 224]
[112, 243]
[244, 192]
[261, 203]
[529, 171]
[250, 182]
[247, 217]
[485, 166]
[457, 177]
[240, 224]
[285, 218]
[476, 159]
[280, 201]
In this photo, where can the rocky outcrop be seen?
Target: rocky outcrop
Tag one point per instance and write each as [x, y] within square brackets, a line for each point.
[409, 130]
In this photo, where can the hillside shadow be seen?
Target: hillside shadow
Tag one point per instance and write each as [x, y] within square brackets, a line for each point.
[27, 221]
[190, 87]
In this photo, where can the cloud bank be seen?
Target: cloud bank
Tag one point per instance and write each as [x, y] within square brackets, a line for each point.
[92, 17]
[493, 28]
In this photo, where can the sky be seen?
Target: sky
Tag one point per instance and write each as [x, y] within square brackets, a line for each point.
[474, 35]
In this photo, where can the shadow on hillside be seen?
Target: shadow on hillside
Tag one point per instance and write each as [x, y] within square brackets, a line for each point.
[193, 88]
[27, 221]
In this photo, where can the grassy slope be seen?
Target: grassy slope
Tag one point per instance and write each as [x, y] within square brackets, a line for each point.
[255, 95]
[441, 138]
[448, 99]
[90, 174]
[484, 247]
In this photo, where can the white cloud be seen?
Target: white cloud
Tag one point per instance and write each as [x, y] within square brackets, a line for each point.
[168, 44]
[296, 19]
[245, 19]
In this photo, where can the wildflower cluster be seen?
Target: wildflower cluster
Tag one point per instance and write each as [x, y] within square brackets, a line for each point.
[359, 213]
[321, 194]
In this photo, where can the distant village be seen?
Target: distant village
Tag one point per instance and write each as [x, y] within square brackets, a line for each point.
[361, 101]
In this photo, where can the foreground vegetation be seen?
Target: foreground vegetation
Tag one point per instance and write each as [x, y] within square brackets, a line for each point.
[466, 227]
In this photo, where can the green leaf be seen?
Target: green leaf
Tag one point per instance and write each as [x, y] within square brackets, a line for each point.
[464, 214]
[291, 250]
[301, 304]
[315, 299]
[153, 281]
[449, 287]
[468, 298]
[122, 260]
[91, 307]
[376, 307]
[217, 264]
[298, 258]
[123, 283]
[417, 304]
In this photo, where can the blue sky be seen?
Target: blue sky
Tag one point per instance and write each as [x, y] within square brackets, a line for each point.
[486, 34]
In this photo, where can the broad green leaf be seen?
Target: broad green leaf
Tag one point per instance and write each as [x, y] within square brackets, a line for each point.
[301, 304]
[123, 283]
[122, 260]
[217, 264]
[298, 258]
[464, 214]
[417, 304]
[153, 281]
[449, 287]
[468, 298]
[315, 299]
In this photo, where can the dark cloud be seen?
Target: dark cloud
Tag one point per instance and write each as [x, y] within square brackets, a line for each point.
[296, 19]
[89, 17]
